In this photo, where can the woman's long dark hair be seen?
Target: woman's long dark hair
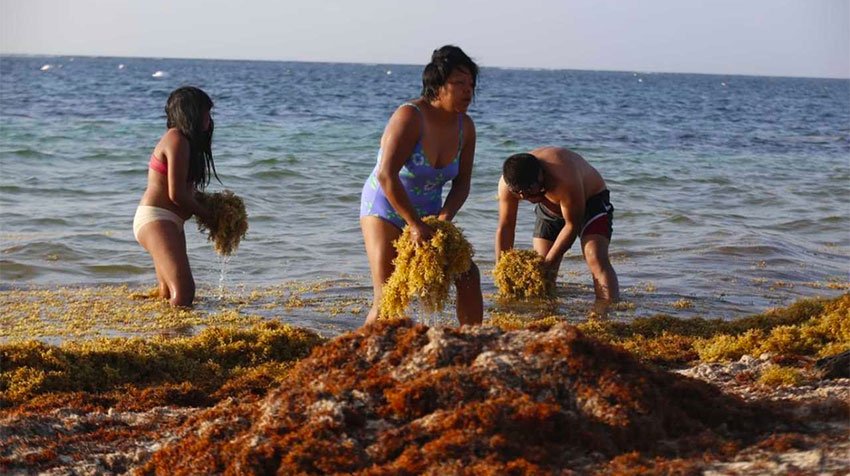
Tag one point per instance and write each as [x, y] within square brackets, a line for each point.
[443, 61]
[185, 111]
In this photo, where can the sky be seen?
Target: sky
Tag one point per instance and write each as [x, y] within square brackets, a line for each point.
[808, 38]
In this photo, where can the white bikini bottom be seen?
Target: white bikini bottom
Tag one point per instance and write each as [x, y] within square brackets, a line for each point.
[146, 214]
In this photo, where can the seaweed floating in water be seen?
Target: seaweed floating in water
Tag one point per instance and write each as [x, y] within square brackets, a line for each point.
[229, 220]
[426, 271]
[519, 275]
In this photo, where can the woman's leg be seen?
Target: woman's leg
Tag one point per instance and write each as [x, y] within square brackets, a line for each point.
[378, 237]
[167, 246]
[164, 292]
[470, 304]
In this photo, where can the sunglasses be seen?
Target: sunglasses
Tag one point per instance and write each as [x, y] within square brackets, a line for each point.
[534, 190]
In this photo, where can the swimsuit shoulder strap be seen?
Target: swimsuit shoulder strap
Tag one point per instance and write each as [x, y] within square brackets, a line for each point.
[421, 117]
[413, 105]
[460, 133]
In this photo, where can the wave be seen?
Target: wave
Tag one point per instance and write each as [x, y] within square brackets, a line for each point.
[748, 251]
[99, 270]
[27, 153]
[811, 223]
[268, 161]
[14, 271]
[680, 219]
[275, 174]
[43, 250]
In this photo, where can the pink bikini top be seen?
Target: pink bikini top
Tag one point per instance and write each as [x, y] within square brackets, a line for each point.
[158, 165]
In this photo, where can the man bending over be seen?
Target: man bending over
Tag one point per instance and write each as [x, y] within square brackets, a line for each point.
[572, 202]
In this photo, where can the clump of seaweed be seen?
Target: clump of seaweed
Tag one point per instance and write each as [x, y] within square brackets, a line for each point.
[809, 327]
[398, 398]
[229, 222]
[426, 271]
[778, 376]
[103, 404]
[510, 321]
[90, 312]
[519, 274]
[825, 332]
[56, 314]
[207, 360]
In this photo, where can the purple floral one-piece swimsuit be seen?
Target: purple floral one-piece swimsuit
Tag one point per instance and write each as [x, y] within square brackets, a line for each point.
[422, 182]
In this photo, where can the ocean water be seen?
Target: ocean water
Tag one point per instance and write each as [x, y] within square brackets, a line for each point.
[732, 193]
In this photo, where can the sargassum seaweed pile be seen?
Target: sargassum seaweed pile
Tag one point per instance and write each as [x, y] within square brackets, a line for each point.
[102, 406]
[229, 220]
[398, 398]
[519, 275]
[426, 271]
[793, 337]
[31, 369]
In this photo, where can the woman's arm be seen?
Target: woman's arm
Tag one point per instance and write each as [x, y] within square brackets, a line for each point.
[175, 147]
[462, 183]
[397, 144]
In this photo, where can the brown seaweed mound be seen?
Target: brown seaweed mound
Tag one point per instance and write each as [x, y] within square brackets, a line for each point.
[229, 220]
[103, 406]
[398, 398]
[519, 275]
[426, 271]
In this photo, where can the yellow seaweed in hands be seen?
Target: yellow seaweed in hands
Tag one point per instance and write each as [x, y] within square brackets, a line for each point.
[519, 275]
[229, 220]
[426, 271]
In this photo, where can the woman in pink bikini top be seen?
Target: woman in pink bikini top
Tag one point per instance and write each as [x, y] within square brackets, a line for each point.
[181, 165]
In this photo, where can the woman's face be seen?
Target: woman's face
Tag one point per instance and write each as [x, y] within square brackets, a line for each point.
[457, 92]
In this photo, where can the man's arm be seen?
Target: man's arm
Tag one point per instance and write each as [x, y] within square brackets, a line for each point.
[508, 205]
[571, 197]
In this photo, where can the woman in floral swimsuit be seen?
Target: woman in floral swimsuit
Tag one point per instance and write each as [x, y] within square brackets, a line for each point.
[427, 142]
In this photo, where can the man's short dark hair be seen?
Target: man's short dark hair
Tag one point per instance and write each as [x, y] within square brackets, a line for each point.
[521, 171]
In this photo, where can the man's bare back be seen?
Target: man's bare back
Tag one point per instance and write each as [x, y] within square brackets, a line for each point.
[572, 204]
[566, 166]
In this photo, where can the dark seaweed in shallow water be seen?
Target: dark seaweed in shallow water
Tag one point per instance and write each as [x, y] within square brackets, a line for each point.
[403, 399]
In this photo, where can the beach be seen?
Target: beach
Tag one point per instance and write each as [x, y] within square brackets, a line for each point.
[529, 397]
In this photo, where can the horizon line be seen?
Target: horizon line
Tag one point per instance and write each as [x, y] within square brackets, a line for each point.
[520, 68]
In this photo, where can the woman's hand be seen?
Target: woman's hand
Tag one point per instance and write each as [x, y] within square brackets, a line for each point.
[205, 214]
[200, 209]
[420, 233]
[444, 216]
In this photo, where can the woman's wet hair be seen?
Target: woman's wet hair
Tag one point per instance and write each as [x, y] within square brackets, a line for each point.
[521, 171]
[185, 111]
[443, 62]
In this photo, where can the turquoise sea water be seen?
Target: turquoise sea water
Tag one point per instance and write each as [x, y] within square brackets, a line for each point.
[731, 192]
